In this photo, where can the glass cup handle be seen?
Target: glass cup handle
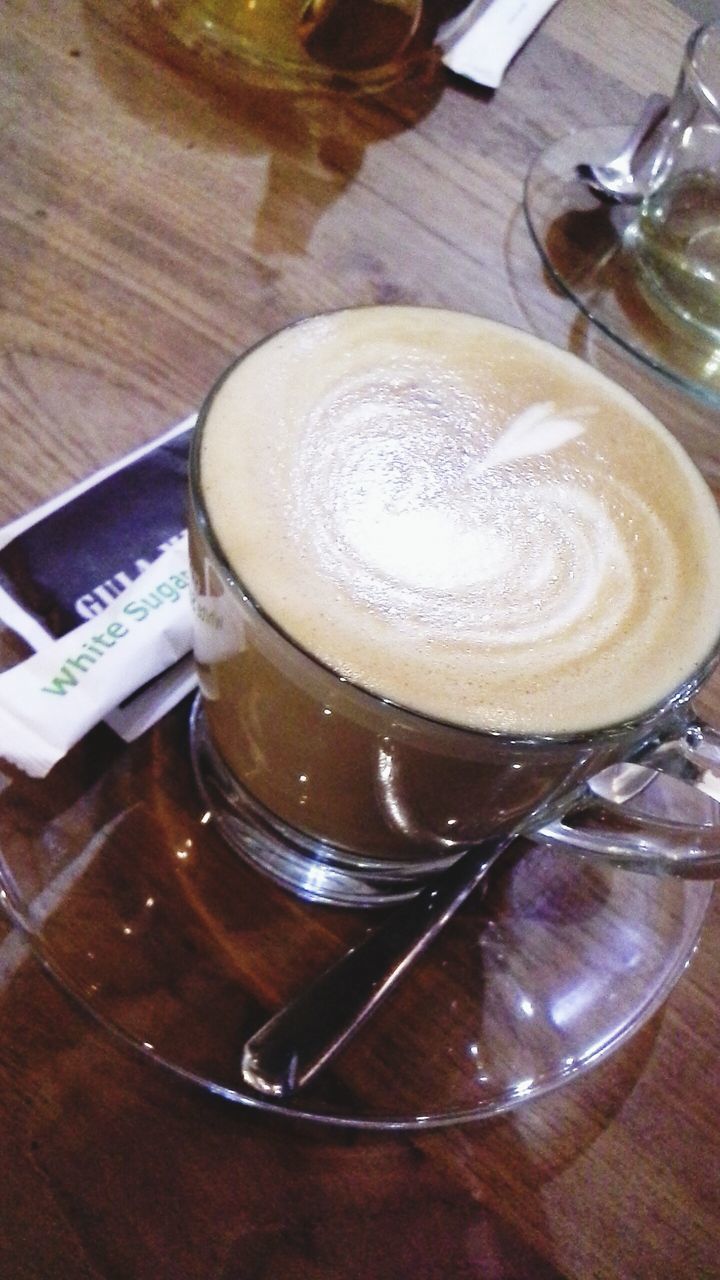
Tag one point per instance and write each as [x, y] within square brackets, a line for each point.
[671, 777]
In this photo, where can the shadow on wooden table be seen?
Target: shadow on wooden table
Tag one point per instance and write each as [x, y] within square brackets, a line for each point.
[315, 142]
[124, 1172]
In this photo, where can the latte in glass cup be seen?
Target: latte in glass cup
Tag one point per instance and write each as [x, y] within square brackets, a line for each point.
[421, 541]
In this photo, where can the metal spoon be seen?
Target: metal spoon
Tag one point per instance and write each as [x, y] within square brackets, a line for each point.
[304, 1036]
[619, 179]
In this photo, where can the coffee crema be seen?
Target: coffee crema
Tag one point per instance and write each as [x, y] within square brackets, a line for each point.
[463, 519]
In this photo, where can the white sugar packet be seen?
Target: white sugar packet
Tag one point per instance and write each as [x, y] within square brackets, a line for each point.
[82, 558]
[50, 701]
[481, 42]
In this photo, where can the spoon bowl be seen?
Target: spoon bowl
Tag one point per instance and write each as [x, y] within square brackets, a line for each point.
[620, 180]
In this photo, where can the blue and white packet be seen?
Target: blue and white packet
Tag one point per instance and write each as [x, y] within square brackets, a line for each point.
[97, 582]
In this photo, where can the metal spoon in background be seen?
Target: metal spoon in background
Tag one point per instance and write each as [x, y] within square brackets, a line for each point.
[620, 179]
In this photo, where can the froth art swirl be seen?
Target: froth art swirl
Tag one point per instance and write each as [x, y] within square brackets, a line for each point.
[440, 524]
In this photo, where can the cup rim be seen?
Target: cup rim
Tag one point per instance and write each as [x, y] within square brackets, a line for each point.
[696, 42]
[630, 727]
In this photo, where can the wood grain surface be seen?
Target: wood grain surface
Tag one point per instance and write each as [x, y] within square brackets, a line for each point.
[152, 225]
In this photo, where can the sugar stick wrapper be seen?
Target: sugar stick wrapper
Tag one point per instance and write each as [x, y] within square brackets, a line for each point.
[67, 560]
[482, 40]
[51, 700]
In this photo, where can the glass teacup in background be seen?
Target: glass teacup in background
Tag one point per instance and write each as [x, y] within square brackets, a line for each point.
[363, 45]
[355, 789]
[676, 237]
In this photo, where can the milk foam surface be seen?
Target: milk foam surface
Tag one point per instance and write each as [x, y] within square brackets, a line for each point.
[463, 519]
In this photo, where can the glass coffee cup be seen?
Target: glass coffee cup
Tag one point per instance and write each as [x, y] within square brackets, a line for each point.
[444, 574]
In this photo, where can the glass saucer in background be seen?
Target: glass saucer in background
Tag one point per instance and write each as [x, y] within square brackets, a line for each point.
[581, 242]
[135, 905]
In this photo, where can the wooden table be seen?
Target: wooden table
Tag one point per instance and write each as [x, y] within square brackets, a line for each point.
[151, 228]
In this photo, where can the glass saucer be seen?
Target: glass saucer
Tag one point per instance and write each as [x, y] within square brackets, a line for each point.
[583, 243]
[181, 950]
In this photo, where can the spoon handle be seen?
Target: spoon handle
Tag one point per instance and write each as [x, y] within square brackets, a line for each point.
[655, 107]
[304, 1036]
